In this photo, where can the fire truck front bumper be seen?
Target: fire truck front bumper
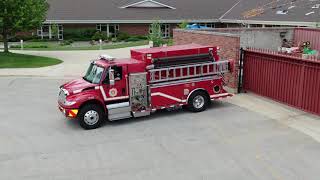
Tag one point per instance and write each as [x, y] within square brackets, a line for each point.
[70, 113]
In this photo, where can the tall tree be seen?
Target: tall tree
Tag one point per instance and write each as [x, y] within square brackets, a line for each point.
[155, 34]
[20, 15]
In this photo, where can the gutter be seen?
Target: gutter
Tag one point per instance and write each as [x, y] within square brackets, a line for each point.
[126, 21]
[283, 23]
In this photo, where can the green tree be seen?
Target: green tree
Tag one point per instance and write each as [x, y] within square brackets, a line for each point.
[20, 15]
[183, 25]
[155, 34]
[55, 31]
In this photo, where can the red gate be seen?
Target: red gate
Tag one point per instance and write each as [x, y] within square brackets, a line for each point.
[287, 79]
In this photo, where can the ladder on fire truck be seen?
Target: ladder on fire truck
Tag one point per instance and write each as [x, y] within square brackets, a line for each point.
[180, 72]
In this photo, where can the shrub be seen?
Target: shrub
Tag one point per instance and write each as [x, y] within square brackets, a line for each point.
[40, 46]
[132, 39]
[66, 42]
[37, 46]
[169, 42]
[15, 46]
[38, 39]
[142, 37]
[17, 38]
[122, 36]
[79, 34]
[99, 35]
[183, 25]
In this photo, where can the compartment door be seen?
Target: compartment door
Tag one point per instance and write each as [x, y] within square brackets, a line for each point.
[139, 94]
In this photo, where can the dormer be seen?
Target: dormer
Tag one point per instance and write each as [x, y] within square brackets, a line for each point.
[148, 4]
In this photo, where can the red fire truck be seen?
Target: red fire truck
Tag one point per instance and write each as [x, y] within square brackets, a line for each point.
[152, 79]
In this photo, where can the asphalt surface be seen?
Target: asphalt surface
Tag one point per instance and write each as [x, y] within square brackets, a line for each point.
[224, 142]
[74, 63]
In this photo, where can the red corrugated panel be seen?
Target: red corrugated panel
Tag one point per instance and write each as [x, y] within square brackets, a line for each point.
[286, 79]
[307, 34]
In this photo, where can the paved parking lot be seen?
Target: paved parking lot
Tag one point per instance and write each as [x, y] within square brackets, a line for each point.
[74, 64]
[225, 142]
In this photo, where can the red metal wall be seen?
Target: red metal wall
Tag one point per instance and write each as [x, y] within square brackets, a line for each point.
[286, 79]
[307, 34]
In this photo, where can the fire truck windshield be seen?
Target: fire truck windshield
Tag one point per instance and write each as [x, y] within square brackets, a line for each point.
[94, 74]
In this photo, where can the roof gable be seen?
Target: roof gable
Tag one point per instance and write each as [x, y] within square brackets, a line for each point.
[147, 4]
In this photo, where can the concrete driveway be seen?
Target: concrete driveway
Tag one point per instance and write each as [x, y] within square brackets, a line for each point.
[224, 142]
[74, 65]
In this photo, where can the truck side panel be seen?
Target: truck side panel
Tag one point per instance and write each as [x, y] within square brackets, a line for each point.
[165, 95]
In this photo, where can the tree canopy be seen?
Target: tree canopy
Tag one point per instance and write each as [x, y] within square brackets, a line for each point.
[20, 15]
[155, 34]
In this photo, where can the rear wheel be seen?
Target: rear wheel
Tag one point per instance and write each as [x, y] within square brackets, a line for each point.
[91, 116]
[198, 101]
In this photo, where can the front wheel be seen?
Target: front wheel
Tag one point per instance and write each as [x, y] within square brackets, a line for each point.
[91, 116]
[198, 101]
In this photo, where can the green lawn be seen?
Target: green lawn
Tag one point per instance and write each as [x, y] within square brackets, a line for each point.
[54, 46]
[12, 60]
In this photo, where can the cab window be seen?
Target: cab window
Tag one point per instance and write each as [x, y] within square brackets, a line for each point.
[94, 74]
[117, 72]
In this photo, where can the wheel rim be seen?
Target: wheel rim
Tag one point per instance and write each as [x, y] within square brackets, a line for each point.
[91, 117]
[198, 102]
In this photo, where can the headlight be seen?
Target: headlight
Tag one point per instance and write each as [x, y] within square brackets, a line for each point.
[69, 103]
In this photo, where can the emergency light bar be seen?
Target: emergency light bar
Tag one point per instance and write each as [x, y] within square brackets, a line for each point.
[107, 57]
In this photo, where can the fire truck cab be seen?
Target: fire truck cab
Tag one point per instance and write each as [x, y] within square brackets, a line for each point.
[152, 79]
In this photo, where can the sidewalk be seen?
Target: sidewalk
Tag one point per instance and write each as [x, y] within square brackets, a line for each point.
[292, 117]
[74, 64]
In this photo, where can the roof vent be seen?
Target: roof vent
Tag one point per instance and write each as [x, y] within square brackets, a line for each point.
[282, 12]
[291, 7]
[147, 4]
[307, 14]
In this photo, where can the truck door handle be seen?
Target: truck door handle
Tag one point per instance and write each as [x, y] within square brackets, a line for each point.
[123, 91]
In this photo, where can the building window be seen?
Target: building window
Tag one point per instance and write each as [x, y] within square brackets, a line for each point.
[111, 29]
[209, 25]
[60, 32]
[165, 29]
[102, 27]
[45, 31]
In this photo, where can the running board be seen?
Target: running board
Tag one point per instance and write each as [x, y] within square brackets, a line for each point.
[119, 111]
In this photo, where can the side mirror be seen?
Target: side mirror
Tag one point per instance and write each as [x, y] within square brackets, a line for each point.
[111, 77]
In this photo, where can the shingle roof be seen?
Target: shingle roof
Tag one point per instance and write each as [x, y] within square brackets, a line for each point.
[281, 10]
[191, 10]
[110, 10]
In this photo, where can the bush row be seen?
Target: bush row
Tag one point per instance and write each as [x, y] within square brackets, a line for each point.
[121, 36]
[82, 35]
[40, 46]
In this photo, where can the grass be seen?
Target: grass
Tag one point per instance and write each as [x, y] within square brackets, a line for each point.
[12, 60]
[54, 46]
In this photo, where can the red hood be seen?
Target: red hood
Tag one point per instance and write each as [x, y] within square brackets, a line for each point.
[75, 86]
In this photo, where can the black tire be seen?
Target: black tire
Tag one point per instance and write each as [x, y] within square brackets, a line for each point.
[88, 114]
[202, 106]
